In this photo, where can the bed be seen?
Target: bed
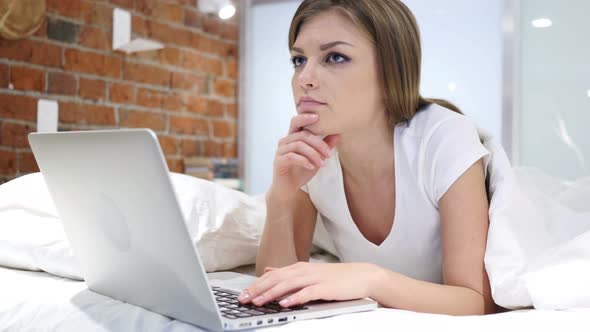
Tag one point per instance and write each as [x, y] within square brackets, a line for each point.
[38, 301]
[41, 287]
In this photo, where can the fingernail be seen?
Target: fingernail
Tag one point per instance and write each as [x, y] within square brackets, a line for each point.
[244, 296]
[284, 302]
[309, 166]
[323, 163]
[312, 116]
[258, 300]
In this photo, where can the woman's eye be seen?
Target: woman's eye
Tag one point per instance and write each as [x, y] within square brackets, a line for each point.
[336, 58]
[297, 61]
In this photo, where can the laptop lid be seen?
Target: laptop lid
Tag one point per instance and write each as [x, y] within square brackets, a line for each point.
[114, 195]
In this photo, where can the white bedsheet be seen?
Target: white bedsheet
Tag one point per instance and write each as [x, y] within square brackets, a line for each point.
[43, 302]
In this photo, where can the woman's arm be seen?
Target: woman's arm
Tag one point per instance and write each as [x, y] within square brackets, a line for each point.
[288, 231]
[466, 289]
[464, 226]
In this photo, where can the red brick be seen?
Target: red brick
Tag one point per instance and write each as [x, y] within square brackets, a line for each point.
[171, 56]
[197, 62]
[94, 38]
[46, 55]
[231, 110]
[219, 149]
[3, 76]
[122, 93]
[27, 78]
[18, 107]
[7, 162]
[15, 135]
[190, 82]
[215, 46]
[164, 10]
[196, 104]
[193, 61]
[223, 129]
[149, 98]
[172, 35]
[123, 3]
[92, 89]
[92, 63]
[173, 102]
[224, 88]
[27, 163]
[190, 148]
[231, 68]
[169, 12]
[200, 105]
[230, 32]
[190, 126]
[86, 114]
[213, 66]
[139, 119]
[175, 165]
[146, 74]
[31, 51]
[61, 84]
[193, 18]
[42, 31]
[152, 56]
[139, 26]
[70, 8]
[99, 13]
[214, 108]
[212, 25]
[169, 145]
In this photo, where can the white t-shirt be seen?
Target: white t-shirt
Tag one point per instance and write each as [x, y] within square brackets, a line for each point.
[431, 151]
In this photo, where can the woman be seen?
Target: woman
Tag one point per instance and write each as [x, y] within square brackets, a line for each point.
[398, 180]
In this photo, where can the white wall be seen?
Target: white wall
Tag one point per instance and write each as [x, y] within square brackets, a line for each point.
[462, 44]
[269, 100]
[554, 107]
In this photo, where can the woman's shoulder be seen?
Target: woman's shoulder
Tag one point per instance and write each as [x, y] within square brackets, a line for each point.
[435, 118]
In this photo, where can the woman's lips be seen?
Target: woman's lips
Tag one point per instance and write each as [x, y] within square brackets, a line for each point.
[309, 105]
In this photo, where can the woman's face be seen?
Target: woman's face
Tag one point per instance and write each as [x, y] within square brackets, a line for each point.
[336, 64]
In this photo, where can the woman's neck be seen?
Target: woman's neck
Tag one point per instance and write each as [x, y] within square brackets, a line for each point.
[367, 156]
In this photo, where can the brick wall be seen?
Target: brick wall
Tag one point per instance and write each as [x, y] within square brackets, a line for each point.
[185, 92]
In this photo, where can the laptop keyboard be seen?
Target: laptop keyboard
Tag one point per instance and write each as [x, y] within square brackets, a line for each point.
[231, 308]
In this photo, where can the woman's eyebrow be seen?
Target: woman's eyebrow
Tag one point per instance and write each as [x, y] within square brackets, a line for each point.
[324, 46]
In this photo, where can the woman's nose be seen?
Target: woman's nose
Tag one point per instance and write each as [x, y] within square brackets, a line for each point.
[307, 77]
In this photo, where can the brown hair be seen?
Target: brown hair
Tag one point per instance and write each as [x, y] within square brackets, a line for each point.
[392, 27]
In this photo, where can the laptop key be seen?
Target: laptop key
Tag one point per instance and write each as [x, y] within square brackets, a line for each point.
[266, 310]
[255, 312]
[230, 316]
[298, 308]
[243, 315]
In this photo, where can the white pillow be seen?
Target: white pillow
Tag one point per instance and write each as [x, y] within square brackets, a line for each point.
[225, 224]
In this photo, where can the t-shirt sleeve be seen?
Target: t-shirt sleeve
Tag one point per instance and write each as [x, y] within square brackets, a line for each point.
[451, 149]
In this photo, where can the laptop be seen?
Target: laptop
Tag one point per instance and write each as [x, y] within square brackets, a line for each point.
[113, 192]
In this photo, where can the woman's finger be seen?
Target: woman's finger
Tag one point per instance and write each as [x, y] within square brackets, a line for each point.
[264, 284]
[303, 149]
[286, 161]
[312, 140]
[307, 294]
[301, 120]
[281, 289]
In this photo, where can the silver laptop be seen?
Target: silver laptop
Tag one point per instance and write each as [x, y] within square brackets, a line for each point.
[113, 192]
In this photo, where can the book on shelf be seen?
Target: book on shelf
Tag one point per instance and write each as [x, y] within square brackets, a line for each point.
[224, 171]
